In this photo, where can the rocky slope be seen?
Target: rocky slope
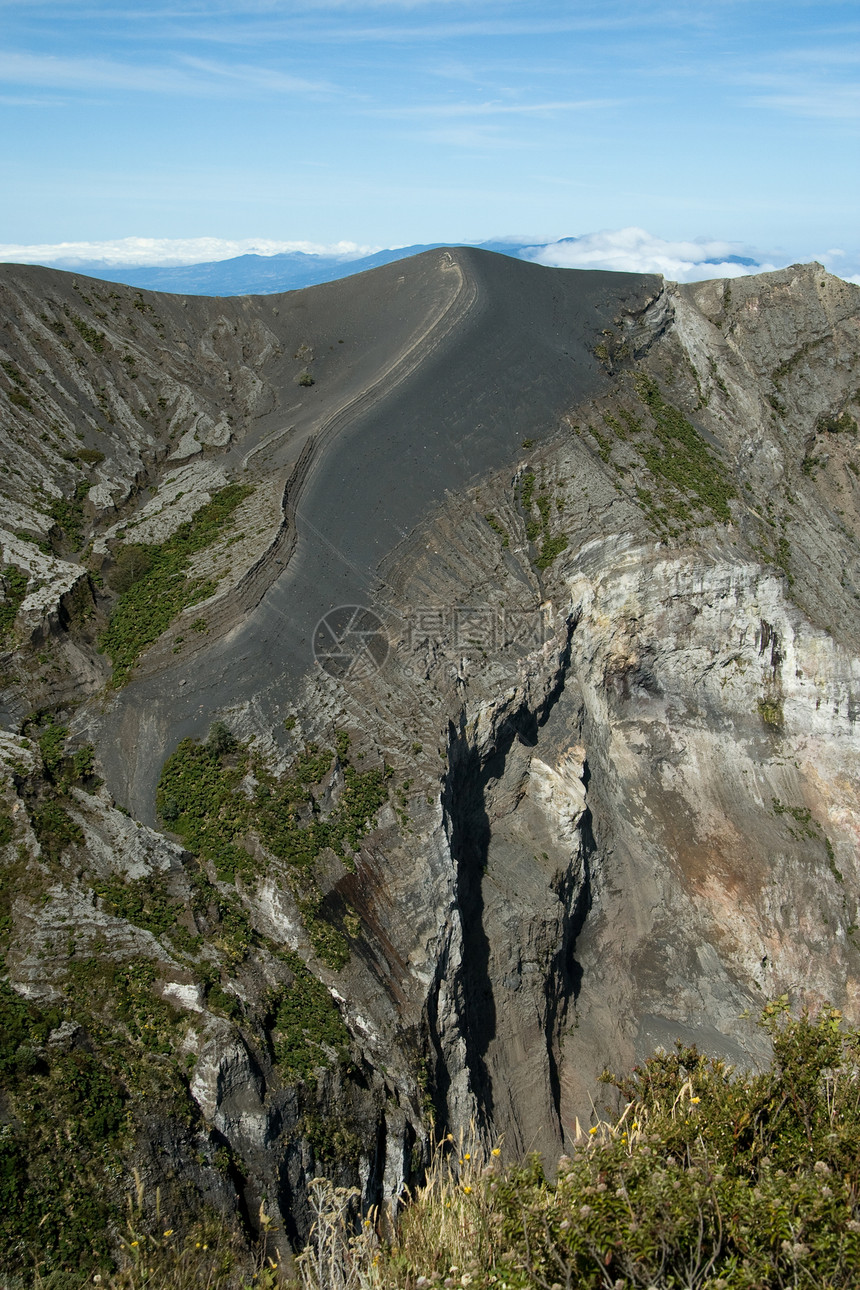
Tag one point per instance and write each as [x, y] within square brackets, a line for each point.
[586, 783]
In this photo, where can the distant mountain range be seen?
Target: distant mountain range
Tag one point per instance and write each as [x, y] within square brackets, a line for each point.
[266, 274]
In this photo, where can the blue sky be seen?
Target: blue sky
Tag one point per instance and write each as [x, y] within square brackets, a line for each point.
[397, 122]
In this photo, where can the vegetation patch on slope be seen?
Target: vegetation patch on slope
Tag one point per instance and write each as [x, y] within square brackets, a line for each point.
[57, 1152]
[68, 516]
[163, 588]
[683, 460]
[683, 482]
[45, 790]
[305, 1023]
[15, 582]
[538, 527]
[213, 794]
[86, 1080]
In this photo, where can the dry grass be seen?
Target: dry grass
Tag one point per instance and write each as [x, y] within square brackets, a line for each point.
[444, 1229]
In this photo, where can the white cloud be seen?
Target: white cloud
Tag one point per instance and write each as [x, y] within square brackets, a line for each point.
[262, 78]
[845, 264]
[630, 250]
[153, 251]
[826, 102]
[493, 108]
[633, 250]
[192, 76]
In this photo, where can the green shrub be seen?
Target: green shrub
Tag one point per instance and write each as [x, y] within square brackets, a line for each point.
[15, 582]
[84, 762]
[91, 456]
[95, 339]
[199, 798]
[20, 400]
[221, 739]
[133, 561]
[305, 1025]
[844, 423]
[708, 1178]
[57, 1150]
[537, 526]
[144, 902]
[52, 743]
[68, 515]
[54, 828]
[199, 795]
[682, 458]
[158, 587]
[770, 711]
[497, 528]
[551, 547]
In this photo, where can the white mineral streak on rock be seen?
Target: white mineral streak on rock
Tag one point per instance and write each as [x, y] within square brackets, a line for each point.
[118, 842]
[177, 500]
[560, 792]
[187, 996]
[278, 915]
[227, 1089]
[355, 1022]
[56, 576]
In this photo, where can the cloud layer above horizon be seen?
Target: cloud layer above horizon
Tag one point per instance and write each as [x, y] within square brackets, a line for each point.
[139, 252]
[631, 250]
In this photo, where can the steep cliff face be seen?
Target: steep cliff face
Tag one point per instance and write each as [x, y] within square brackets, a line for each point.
[582, 779]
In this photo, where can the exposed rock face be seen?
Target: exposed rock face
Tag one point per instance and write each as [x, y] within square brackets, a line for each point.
[602, 791]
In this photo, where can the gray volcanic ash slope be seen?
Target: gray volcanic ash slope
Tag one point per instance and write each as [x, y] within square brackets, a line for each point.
[600, 792]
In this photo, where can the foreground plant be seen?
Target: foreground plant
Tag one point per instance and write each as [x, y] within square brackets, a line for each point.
[448, 1224]
[709, 1180]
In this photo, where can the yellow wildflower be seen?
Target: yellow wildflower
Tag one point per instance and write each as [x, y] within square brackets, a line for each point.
[695, 1099]
[467, 1189]
[169, 1232]
[594, 1130]
[496, 1151]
